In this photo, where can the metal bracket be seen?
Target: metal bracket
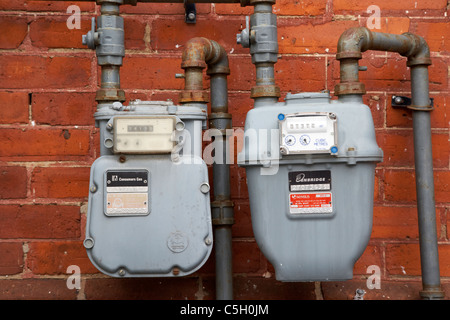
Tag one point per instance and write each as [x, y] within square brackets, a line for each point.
[406, 102]
[190, 12]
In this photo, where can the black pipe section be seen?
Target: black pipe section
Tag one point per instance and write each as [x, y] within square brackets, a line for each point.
[351, 44]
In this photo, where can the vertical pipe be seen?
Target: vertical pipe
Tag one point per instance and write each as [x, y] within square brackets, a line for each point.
[425, 185]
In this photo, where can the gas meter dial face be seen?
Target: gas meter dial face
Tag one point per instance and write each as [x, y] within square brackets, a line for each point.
[143, 135]
[303, 133]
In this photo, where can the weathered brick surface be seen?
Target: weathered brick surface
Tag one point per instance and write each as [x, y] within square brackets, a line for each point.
[48, 139]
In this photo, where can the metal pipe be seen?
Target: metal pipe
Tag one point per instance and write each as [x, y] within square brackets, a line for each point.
[199, 53]
[133, 2]
[350, 46]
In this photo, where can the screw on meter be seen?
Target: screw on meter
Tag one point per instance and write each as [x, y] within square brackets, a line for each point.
[307, 133]
[144, 135]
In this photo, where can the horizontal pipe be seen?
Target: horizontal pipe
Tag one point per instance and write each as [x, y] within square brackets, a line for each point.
[133, 2]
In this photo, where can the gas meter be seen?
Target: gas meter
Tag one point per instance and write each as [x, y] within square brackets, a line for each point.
[149, 208]
[310, 165]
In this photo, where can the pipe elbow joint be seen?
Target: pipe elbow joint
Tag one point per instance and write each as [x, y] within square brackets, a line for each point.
[201, 52]
[353, 42]
[420, 51]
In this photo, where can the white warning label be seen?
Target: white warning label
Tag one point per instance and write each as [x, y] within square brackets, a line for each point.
[317, 202]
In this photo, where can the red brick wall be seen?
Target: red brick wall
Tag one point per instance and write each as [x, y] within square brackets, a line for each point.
[48, 141]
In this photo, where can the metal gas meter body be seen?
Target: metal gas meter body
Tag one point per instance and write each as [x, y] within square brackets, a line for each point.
[149, 207]
[310, 165]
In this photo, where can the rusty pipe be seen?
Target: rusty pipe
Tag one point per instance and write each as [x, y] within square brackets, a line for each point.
[198, 54]
[351, 44]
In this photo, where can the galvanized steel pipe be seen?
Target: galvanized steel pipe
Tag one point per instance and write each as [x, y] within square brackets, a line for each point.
[199, 53]
[351, 44]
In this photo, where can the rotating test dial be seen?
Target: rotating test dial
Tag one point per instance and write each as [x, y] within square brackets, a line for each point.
[308, 133]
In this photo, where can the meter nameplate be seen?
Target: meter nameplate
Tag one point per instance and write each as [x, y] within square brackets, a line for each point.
[143, 135]
[127, 193]
[308, 133]
[307, 203]
[309, 180]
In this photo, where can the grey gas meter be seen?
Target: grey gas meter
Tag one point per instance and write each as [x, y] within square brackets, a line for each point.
[310, 165]
[149, 208]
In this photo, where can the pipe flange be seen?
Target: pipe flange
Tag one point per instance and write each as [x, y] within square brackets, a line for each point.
[348, 55]
[420, 108]
[188, 96]
[349, 88]
[265, 91]
[217, 69]
[416, 61]
[110, 94]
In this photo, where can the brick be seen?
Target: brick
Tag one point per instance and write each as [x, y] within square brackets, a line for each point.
[396, 117]
[15, 107]
[44, 72]
[281, 8]
[243, 222]
[166, 34]
[53, 257]
[404, 259]
[39, 221]
[14, 30]
[301, 38]
[57, 6]
[238, 182]
[398, 148]
[246, 257]
[392, 75]
[248, 288]
[387, 5]
[36, 289]
[436, 35]
[305, 74]
[14, 182]
[164, 9]
[11, 259]
[63, 108]
[399, 185]
[49, 142]
[394, 25]
[390, 290]
[372, 255]
[395, 223]
[135, 33]
[58, 182]
[377, 104]
[52, 32]
[138, 289]
[151, 72]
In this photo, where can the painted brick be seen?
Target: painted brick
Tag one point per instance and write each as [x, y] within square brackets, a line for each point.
[246, 257]
[297, 37]
[372, 256]
[237, 180]
[11, 259]
[404, 259]
[63, 108]
[400, 186]
[392, 75]
[436, 35]
[57, 6]
[53, 257]
[281, 8]
[14, 182]
[142, 289]
[36, 289]
[14, 29]
[439, 117]
[15, 107]
[44, 72]
[394, 25]
[387, 5]
[305, 74]
[151, 72]
[395, 223]
[398, 148]
[166, 34]
[52, 32]
[60, 182]
[243, 222]
[49, 142]
[39, 221]
[173, 9]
